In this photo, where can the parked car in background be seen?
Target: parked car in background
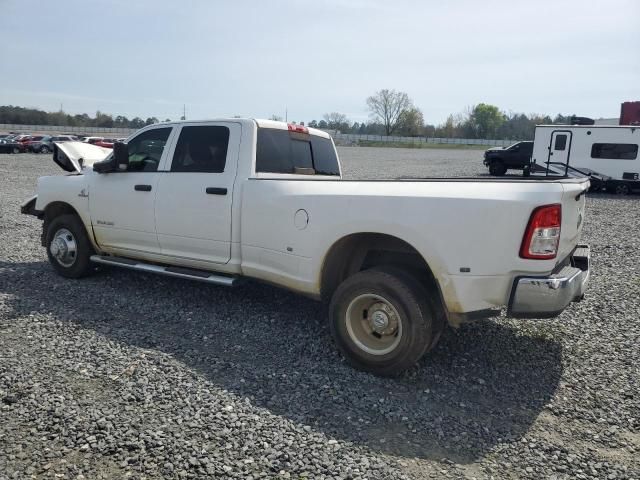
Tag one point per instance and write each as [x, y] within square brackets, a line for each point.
[40, 144]
[8, 145]
[105, 142]
[92, 140]
[516, 156]
[22, 138]
[64, 138]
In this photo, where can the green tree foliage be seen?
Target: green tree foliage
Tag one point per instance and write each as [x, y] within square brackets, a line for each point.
[31, 116]
[485, 120]
[411, 122]
[480, 121]
[137, 122]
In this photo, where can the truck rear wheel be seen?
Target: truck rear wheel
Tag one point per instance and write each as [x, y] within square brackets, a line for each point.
[497, 168]
[381, 321]
[68, 247]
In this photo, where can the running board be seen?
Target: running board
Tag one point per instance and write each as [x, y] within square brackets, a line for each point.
[179, 272]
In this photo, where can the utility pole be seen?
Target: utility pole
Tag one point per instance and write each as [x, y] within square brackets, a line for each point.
[286, 115]
[184, 112]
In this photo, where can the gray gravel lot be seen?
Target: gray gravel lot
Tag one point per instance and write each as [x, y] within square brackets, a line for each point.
[128, 374]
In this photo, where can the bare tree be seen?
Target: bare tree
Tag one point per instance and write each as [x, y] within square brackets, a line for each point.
[388, 106]
[276, 118]
[336, 121]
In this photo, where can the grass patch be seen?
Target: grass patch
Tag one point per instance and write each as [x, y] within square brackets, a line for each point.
[455, 146]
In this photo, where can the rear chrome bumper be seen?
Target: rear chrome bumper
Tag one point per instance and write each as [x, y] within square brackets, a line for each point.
[546, 297]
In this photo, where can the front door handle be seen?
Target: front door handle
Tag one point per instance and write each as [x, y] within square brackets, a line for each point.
[216, 191]
[142, 188]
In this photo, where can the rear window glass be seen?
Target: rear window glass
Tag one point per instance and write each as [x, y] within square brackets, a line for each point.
[281, 151]
[615, 151]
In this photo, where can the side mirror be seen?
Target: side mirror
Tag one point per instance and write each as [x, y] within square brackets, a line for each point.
[121, 156]
[117, 161]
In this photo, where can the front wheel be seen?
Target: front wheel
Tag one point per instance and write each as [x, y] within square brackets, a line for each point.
[381, 321]
[497, 169]
[68, 247]
[44, 149]
[16, 150]
[622, 189]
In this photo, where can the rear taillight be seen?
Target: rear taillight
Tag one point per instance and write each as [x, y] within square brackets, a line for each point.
[542, 235]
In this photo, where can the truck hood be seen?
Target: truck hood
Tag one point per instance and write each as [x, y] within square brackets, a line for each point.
[494, 149]
[74, 156]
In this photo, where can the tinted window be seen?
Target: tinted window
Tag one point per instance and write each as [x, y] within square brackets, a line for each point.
[281, 151]
[527, 147]
[201, 149]
[615, 151]
[145, 150]
[301, 154]
[325, 160]
[561, 142]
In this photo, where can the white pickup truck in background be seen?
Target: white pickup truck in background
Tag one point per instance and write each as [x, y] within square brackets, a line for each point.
[219, 200]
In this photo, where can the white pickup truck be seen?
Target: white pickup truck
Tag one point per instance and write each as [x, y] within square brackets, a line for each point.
[219, 200]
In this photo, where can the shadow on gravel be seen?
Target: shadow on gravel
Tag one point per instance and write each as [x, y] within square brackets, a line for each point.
[482, 384]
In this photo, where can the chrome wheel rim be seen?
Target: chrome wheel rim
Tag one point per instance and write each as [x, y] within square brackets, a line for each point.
[373, 324]
[64, 248]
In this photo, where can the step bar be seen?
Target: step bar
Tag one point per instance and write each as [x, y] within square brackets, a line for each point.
[170, 271]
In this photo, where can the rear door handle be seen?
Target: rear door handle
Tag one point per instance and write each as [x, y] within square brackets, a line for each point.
[142, 188]
[216, 191]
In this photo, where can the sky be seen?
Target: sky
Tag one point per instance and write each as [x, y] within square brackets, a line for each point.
[307, 58]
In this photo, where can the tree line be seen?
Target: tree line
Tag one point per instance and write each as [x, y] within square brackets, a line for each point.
[32, 116]
[391, 113]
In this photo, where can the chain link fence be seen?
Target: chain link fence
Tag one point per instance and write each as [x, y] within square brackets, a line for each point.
[354, 139]
[339, 138]
[53, 129]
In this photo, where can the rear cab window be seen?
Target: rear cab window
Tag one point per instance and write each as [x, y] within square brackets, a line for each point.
[282, 151]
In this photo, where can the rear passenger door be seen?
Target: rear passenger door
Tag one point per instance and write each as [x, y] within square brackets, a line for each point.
[194, 196]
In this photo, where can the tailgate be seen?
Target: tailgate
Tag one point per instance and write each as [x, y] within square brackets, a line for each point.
[573, 202]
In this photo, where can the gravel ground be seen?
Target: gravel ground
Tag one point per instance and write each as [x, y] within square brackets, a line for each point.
[125, 374]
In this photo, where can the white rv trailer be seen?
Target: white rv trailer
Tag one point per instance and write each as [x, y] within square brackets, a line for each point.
[609, 153]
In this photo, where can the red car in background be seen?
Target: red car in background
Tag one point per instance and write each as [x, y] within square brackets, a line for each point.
[105, 142]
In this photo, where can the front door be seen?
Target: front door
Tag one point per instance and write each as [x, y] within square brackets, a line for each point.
[194, 198]
[122, 203]
[560, 147]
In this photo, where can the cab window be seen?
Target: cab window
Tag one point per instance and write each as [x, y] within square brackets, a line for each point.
[145, 150]
[201, 149]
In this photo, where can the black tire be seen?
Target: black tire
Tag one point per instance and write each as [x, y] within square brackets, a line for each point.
[622, 189]
[497, 168]
[44, 149]
[77, 265]
[417, 324]
[16, 150]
